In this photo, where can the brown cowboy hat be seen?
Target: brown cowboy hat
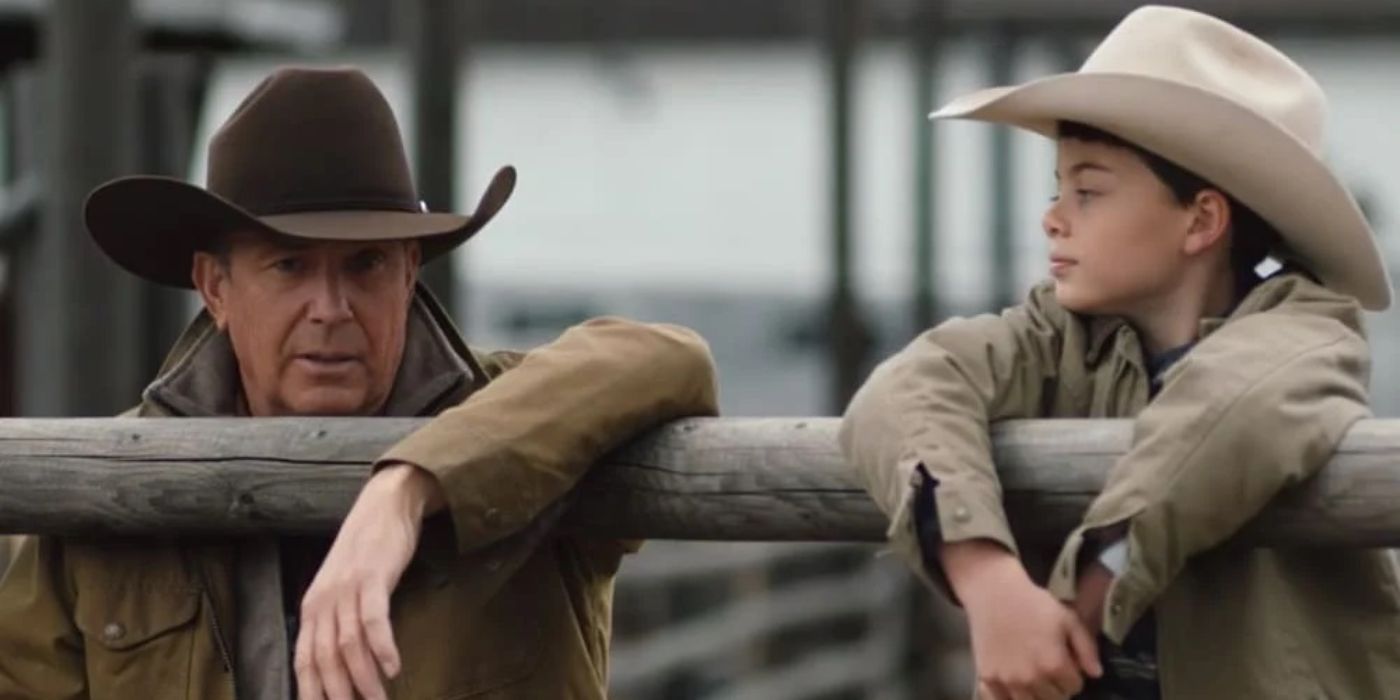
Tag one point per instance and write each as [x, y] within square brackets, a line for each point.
[311, 153]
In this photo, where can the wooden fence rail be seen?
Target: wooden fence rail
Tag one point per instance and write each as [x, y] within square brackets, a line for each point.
[708, 479]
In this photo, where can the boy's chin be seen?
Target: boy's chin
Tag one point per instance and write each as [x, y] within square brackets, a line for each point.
[1079, 300]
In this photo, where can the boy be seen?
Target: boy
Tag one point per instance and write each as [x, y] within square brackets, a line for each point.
[1187, 151]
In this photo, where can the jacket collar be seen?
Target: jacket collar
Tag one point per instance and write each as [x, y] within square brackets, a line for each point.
[1265, 294]
[200, 375]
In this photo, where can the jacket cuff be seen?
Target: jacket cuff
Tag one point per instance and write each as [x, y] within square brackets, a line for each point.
[478, 499]
[936, 513]
[1129, 596]
[1128, 601]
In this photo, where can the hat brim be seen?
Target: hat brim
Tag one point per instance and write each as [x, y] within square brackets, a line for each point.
[152, 226]
[1252, 158]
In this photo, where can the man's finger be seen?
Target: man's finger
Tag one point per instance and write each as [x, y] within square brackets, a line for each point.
[329, 667]
[304, 663]
[354, 653]
[379, 633]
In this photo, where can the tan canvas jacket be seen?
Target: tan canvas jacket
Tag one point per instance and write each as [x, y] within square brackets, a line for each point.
[497, 603]
[1258, 405]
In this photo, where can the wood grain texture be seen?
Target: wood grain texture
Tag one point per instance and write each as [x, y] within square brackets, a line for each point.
[704, 479]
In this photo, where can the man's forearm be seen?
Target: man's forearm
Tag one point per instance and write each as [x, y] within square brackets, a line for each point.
[520, 444]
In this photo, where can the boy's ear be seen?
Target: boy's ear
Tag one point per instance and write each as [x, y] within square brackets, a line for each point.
[1210, 222]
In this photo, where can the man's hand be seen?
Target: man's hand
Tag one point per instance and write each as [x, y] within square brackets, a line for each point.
[1026, 644]
[345, 641]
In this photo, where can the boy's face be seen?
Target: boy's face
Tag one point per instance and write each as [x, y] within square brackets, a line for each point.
[1117, 235]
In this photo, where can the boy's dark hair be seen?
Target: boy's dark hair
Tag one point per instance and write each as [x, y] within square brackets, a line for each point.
[1254, 238]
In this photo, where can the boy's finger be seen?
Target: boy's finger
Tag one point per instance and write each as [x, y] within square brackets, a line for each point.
[1086, 650]
[1067, 678]
[990, 691]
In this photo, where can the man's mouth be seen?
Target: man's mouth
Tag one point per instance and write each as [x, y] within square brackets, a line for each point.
[328, 359]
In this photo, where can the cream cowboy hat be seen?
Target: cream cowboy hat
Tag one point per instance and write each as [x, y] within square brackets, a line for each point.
[1226, 106]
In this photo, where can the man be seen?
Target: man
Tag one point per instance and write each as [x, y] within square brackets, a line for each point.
[305, 251]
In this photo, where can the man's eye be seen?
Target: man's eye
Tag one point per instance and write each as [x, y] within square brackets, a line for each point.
[287, 265]
[368, 260]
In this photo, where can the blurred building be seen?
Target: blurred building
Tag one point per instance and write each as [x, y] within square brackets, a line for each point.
[698, 162]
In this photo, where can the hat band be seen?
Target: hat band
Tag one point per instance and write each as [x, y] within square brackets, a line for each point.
[335, 204]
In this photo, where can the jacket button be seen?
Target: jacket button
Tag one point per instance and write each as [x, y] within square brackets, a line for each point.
[113, 631]
[1115, 609]
[962, 514]
[493, 517]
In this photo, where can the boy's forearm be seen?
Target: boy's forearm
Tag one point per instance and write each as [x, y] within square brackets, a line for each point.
[977, 567]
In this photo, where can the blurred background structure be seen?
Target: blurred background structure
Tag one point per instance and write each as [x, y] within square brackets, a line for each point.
[760, 170]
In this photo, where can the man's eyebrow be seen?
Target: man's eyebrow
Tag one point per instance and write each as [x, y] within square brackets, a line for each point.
[283, 244]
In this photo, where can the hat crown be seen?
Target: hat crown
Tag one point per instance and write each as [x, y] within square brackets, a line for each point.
[312, 139]
[1200, 51]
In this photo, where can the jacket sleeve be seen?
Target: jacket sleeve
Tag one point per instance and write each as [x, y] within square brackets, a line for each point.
[931, 406]
[1257, 407]
[41, 654]
[523, 441]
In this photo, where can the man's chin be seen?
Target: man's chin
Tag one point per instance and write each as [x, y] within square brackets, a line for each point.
[329, 403]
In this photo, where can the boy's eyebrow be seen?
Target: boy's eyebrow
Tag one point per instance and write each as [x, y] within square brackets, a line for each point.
[1082, 166]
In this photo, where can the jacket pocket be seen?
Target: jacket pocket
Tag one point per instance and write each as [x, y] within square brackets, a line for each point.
[137, 637]
[473, 628]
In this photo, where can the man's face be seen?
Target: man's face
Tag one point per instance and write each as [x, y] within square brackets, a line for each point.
[318, 327]
[1117, 236]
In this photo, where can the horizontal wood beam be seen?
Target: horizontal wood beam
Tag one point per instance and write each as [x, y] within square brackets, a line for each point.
[700, 479]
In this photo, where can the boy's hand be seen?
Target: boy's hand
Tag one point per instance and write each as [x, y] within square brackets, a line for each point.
[1091, 593]
[1026, 644]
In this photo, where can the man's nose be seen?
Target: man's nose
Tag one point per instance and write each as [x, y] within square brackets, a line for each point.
[329, 303]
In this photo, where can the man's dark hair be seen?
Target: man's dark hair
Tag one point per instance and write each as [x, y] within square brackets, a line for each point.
[1254, 239]
[220, 246]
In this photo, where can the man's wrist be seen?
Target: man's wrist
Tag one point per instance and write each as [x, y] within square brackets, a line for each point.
[417, 486]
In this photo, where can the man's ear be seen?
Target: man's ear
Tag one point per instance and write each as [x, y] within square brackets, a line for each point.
[1209, 223]
[414, 255]
[210, 275]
